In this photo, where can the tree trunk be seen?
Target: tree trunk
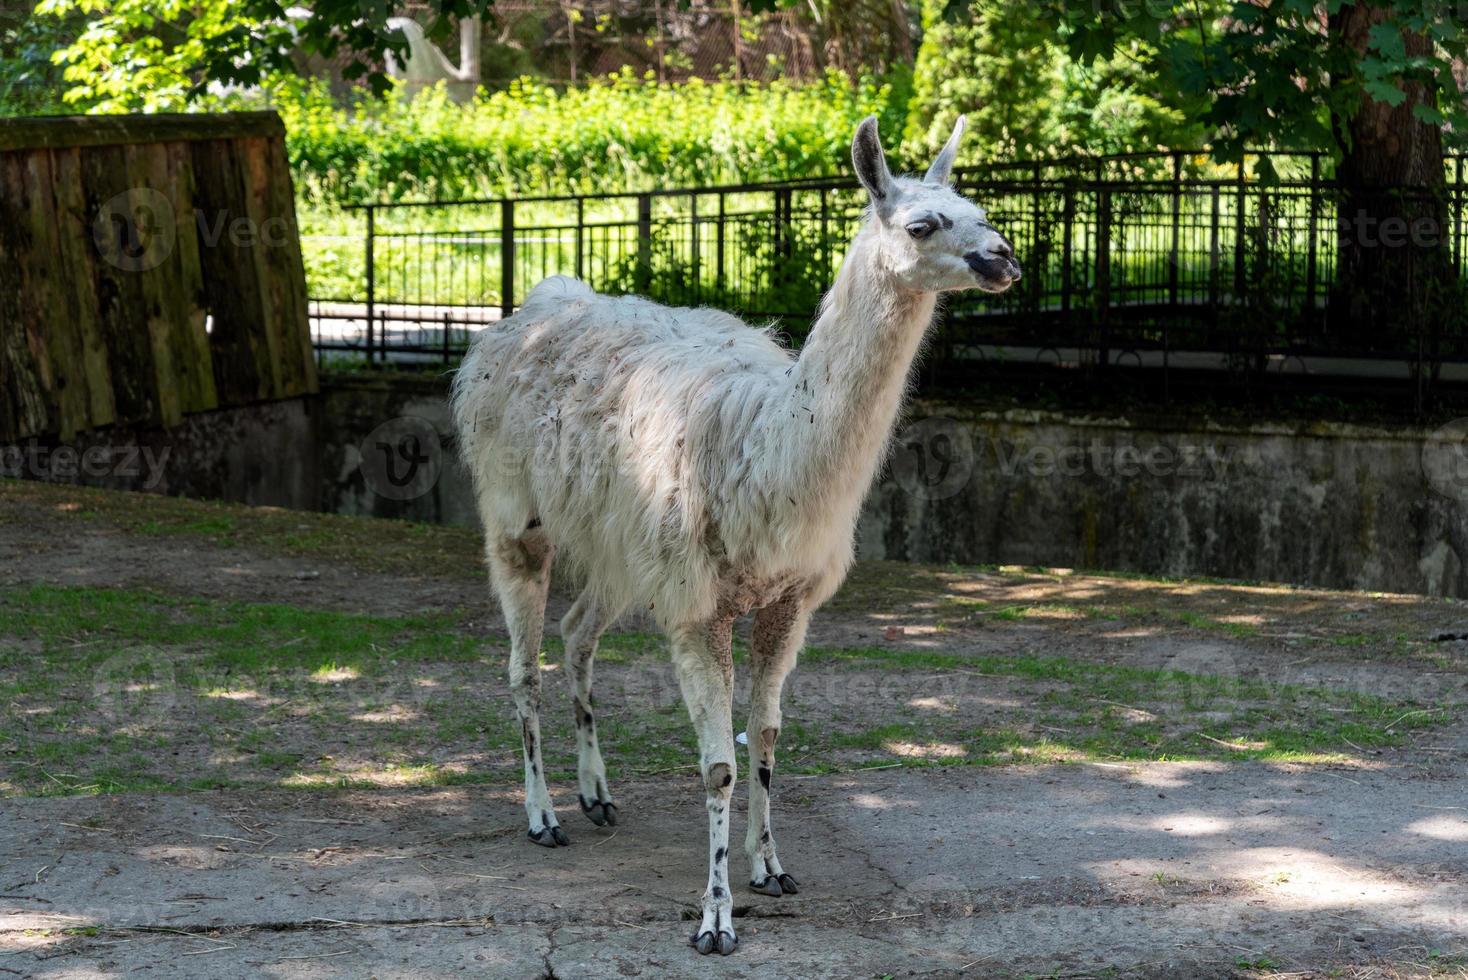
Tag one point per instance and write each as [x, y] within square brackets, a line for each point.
[1395, 281]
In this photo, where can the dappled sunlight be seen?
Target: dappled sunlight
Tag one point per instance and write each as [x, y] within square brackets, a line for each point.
[1313, 880]
[931, 750]
[332, 674]
[1192, 824]
[1173, 775]
[246, 694]
[385, 778]
[1128, 713]
[393, 715]
[945, 705]
[1441, 828]
[874, 801]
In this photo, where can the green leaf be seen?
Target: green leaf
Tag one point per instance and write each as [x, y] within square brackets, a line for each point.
[1429, 114]
[1386, 91]
[1387, 38]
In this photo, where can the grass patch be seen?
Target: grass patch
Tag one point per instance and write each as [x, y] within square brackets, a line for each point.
[111, 690]
[384, 546]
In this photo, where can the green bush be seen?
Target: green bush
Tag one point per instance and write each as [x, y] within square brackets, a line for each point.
[618, 133]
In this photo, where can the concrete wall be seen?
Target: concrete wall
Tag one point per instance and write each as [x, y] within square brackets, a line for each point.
[1326, 504]
[263, 454]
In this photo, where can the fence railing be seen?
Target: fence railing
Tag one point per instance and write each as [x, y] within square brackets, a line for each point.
[1148, 260]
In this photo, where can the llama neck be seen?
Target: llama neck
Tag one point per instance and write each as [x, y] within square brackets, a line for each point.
[850, 378]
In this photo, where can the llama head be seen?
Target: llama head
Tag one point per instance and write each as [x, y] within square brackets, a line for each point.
[929, 237]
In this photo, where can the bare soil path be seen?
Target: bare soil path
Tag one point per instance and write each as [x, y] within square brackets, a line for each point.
[987, 772]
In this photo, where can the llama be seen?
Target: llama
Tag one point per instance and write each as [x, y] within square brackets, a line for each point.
[684, 462]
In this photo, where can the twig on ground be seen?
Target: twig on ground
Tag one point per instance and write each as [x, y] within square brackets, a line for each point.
[206, 952]
[1339, 776]
[1237, 747]
[1419, 711]
[311, 956]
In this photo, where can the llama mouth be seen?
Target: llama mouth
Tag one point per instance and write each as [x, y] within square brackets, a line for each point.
[994, 274]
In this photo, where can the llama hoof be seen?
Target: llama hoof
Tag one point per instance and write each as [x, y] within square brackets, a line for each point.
[550, 837]
[789, 885]
[599, 813]
[707, 942]
[770, 886]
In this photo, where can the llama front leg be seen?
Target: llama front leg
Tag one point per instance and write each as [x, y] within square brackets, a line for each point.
[702, 655]
[581, 627]
[520, 569]
[779, 632]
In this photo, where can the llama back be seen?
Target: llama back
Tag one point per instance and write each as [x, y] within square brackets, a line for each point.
[592, 415]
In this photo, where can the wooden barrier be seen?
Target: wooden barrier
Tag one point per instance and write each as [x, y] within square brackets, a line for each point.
[150, 267]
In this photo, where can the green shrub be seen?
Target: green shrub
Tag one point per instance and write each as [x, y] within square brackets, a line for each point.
[618, 133]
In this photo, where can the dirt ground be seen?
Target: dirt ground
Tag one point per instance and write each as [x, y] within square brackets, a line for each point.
[985, 772]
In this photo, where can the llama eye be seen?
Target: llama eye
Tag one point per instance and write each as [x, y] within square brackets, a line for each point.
[923, 227]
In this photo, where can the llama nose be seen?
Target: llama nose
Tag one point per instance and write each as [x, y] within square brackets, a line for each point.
[995, 268]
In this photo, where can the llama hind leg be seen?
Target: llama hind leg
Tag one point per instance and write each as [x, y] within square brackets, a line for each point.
[581, 628]
[520, 569]
[702, 656]
[779, 631]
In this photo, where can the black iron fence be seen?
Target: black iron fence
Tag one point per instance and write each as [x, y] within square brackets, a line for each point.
[1159, 261]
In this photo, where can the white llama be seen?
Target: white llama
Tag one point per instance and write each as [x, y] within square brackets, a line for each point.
[685, 462]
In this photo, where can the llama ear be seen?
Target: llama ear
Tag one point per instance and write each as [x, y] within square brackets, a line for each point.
[870, 162]
[942, 167]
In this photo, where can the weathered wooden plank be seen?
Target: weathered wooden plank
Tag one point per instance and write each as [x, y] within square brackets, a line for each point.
[190, 335]
[24, 408]
[114, 253]
[77, 255]
[55, 335]
[125, 235]
[49, 132]
[158, 232]
[252, 243]
[288, 276]
[233, 294]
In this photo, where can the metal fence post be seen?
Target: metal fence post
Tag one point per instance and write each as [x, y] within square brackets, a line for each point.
[1037, 279]
[1066, 271]
[643, 277]
[1311, 274]
[719, 252]
[1215, 256]
[1103, 270]
[371, 276]
[1240, 205]
[580, 236]
[1177, 208]
[507, 257]
[695, 256]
